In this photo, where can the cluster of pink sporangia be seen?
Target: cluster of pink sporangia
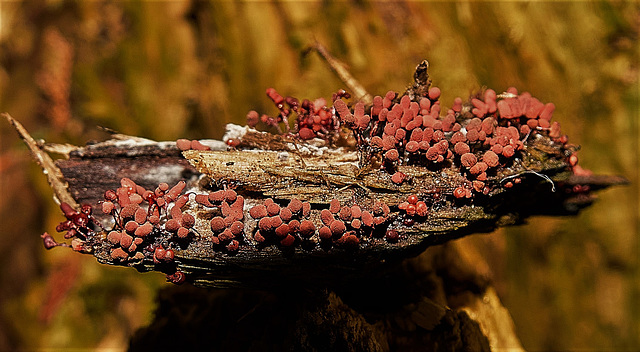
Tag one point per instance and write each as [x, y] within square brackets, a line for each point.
[229, 227]
[291, 225]
[478, 142]
[342, 226]
[187, 144]
[312, 118]
[147, 224]
[414, 207]
[79, 226]
[283, 225]
[346, 225]
[142, 217]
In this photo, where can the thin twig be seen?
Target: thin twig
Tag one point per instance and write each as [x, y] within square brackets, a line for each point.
[359, 92]
[60, 149]
[123, 137]
[54, 175]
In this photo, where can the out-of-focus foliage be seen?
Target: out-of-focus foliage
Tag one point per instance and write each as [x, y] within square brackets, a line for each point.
[173, 69]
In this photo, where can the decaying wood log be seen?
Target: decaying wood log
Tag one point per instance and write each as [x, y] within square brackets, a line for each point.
[448, 185]
[280, 175]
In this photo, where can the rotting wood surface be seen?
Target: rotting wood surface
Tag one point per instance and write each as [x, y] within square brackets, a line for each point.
[283, 175]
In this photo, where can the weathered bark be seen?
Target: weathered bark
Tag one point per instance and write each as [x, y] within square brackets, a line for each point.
[283, 175]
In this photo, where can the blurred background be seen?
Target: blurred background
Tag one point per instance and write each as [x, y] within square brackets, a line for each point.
[170, 69]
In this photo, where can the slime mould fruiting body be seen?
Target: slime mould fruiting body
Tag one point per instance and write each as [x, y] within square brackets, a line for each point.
[346, 179]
